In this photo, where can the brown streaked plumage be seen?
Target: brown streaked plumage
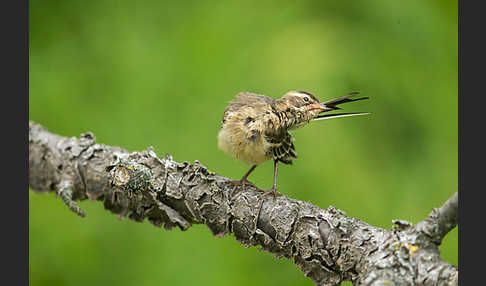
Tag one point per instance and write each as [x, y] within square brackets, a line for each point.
[255, 127]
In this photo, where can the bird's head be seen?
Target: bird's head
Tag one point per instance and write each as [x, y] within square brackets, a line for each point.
[304, 105]
[303, 101]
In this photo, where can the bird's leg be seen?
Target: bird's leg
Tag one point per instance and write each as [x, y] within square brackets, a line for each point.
[273, 190]
[244, 179]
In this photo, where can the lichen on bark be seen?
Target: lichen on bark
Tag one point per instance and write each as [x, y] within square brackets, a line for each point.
[326, 244]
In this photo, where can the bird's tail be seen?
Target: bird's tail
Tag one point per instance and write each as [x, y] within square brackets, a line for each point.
[337, 115]
[332, 104]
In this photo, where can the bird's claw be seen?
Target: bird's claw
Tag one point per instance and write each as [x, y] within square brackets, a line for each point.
[241, 183]
[272, 191]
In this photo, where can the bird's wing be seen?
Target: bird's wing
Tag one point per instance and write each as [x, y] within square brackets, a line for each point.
[255, 105]
[283, 148]
[254, 98]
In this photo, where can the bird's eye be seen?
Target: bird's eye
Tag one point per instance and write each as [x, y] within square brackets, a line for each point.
[306, 99]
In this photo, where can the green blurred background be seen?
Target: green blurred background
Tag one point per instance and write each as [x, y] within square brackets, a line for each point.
[156, 73]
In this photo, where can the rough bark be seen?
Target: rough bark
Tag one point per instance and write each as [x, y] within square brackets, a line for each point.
[328, 246]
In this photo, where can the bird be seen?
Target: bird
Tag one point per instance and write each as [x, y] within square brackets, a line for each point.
[255, 128]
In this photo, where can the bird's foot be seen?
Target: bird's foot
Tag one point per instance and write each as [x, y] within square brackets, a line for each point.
[272, 191]
[241, 183]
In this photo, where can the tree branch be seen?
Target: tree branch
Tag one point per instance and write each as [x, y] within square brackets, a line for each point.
[328, 246]
[440, 221]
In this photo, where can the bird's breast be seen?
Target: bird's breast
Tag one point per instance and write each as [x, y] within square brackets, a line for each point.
[243, 139]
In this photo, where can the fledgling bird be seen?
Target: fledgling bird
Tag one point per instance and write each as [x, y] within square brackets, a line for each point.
[255, 128]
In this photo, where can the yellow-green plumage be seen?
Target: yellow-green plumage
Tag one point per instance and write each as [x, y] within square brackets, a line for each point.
[255, 127]
[252, 130]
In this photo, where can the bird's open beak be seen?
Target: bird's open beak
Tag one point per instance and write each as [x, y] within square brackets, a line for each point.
[322, 107]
